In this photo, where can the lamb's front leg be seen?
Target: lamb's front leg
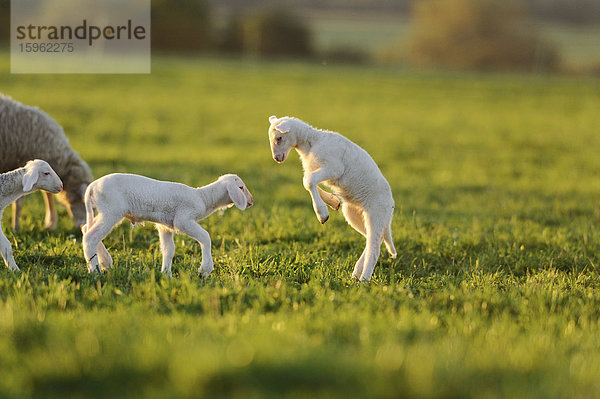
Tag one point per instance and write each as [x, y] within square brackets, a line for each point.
[193, 229]
[104, 258]
[92, 238]
[311, 181]
[6, 251]
[329, 199]
[375, 226]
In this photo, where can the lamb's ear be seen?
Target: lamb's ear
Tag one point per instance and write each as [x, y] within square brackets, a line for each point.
[272, 119]
[29, 179]
[237, 196]
[283, 127]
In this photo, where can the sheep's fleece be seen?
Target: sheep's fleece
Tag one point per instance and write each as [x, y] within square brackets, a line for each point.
[331, 159]
[29, 133]
[35, 175]
[174, 207]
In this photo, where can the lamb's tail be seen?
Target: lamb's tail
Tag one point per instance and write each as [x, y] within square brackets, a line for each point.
[89, 209]
[387, 239]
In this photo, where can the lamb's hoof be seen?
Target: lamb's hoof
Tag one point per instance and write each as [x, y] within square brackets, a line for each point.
[50, 226]
[106, 266]
[204, 273]
[324, 220]
[94, 269]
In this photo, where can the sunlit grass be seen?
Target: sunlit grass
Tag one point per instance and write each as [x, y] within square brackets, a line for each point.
[494, 293]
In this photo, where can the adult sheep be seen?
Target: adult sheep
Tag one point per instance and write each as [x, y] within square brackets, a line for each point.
[29, 133]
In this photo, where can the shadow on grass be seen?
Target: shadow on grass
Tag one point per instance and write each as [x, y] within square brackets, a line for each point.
[302, 378]
[117, 382]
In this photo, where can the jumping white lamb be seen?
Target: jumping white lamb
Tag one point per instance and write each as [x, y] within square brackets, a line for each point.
[338, 163]
[35, 175]
[28, 133]
[174, 207]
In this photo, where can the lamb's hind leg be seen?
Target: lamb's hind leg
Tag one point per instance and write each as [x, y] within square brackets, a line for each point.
[354, 217]
[387, 240]
[374, 237]
[105, 259]
[167, 247]
[359, 265]
[92, 239]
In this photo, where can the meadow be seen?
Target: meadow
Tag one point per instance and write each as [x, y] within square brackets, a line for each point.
[495, 292]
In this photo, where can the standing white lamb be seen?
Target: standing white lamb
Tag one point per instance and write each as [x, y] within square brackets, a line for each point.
[35, 175]
[28, 133]
[174, 207]
[338, 163]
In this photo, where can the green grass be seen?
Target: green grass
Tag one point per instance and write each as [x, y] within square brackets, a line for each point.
[495, 292]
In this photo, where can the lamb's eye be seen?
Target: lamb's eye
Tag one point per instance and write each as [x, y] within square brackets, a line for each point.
[241, 187]
[46, 173]
[278, 139]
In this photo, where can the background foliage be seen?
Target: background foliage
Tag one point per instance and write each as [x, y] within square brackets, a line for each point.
[180, 25]
[477, 34]
[267, 33]
[526, 35]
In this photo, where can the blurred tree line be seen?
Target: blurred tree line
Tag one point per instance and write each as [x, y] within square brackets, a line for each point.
[4, 21]
[186, 25]
[471, 34]
[180, 25]
[569, 11]
[267, 33]
[477, 34]
[263, 32]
